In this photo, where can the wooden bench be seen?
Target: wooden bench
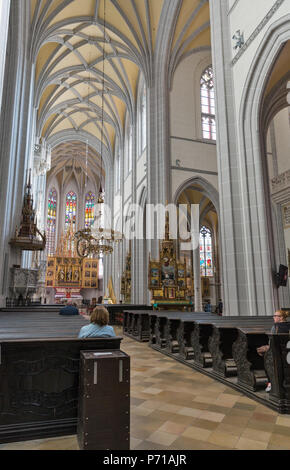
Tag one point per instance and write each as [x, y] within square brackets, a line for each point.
[201, 338]
[277, 362]
[136, 324]
[225, 348]
[222, 339]
[39, 370]
[250, 366]
[173, 327]
[116, 311]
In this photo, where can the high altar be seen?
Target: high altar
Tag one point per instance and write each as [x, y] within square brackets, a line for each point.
[67, 273]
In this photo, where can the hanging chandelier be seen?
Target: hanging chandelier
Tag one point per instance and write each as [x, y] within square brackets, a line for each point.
[101, 244]
[98, 240]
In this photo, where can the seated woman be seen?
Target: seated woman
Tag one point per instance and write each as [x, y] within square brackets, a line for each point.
[281, 325]
[99, 325]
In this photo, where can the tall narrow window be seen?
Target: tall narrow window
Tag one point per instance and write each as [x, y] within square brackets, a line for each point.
[51, 222]
[205, 246]
[89, 209]
[207, 98]
[71, 210]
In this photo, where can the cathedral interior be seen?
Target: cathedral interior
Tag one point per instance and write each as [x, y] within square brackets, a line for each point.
[145, 165]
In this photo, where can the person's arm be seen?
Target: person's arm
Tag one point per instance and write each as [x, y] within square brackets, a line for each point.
[113, 331]
[82, 333]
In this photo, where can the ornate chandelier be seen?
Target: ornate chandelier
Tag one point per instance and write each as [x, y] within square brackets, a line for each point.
[102, 243]
[97, 239]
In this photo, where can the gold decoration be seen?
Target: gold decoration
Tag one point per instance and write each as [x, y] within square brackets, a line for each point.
[126, 280]
[67, 270]
[167, 278]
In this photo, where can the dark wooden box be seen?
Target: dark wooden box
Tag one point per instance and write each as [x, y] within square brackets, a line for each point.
[104, 401]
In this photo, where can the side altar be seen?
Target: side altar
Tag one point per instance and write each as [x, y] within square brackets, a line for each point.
[67, 272]
[168, 277]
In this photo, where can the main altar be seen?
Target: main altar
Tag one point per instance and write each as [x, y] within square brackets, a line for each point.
[68, 273]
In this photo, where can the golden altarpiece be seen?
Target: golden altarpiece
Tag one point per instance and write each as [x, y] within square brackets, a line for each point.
[168, 278]
[67, 273]
[126, 280]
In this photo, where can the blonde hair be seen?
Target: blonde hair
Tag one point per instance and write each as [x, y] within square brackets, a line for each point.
[100, 316]
[284, 314]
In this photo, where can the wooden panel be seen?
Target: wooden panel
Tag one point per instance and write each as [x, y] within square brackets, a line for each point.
[104, 403]
[39, 380]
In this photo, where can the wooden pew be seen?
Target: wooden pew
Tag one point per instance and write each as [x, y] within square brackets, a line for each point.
[277, 362]
[39, 366]
[222, 339]
[173, 327]
[161, 328]
[203, 330]
[152, 327]
[250, 366]
[116, 311]
[136, 324]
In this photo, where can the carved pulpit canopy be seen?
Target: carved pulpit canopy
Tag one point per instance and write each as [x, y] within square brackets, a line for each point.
[28, 237]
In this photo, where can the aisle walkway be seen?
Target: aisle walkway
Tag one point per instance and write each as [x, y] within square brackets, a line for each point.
[174, 407]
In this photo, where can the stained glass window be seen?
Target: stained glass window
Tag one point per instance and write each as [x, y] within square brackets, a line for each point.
[71, 210]
[207, 98]
[51, 222]
[89, 209]
[205, 247]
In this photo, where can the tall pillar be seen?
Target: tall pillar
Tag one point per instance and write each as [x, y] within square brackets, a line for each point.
[197, 281]
[244, 216]
[158, 142]
[16, 135]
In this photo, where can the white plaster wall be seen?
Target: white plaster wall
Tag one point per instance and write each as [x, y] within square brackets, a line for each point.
[139, 192]
[185, 113]
[141, 168]
[4, 22]
[269, 156]
[194, 155]
[240, 18]
[282, 132]
[189, 151]
[128, 187]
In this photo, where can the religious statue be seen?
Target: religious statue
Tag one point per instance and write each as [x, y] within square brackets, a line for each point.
[69, 274]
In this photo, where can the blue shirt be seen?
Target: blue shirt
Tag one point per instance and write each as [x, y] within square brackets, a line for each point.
[69, 310]
[93, 330]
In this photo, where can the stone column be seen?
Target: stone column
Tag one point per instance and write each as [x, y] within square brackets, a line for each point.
[15, 132]
[197, 281]
[158, 144]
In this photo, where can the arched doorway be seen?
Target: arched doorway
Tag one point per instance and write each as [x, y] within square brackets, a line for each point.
[203, 264]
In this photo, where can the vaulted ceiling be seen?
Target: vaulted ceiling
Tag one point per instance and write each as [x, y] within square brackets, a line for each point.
[195, 195]
[75, 43]
[78, 161]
